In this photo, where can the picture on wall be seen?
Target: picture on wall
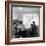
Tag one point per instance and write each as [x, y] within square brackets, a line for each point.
[25, 22]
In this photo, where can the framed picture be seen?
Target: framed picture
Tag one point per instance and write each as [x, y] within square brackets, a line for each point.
[24, 22]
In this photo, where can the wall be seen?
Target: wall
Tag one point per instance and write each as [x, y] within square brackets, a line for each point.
[2, 25]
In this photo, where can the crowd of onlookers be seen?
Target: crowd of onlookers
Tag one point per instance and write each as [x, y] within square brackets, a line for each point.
[21, 31]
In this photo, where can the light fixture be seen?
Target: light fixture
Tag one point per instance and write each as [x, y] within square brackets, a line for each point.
[20, 8]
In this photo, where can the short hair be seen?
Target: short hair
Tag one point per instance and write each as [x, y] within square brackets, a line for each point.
[20, 22]
[32, 24]
[33, 21]
[19, 28]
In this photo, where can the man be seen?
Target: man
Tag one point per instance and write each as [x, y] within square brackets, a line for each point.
[34, 29]
[31, 32]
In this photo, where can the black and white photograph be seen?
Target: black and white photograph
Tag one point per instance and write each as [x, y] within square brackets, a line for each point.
[25, 22]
